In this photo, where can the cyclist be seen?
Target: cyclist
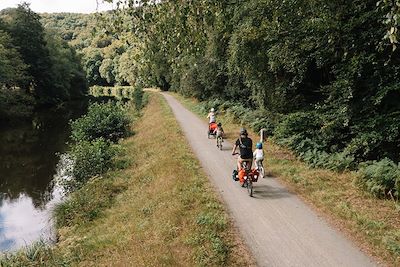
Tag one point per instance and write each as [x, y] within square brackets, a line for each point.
[258, 153]
[219, 132]
[245, 145]
[211, 116]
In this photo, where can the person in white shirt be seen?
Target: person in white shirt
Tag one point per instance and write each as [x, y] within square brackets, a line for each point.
[211, 116]
[258, 154]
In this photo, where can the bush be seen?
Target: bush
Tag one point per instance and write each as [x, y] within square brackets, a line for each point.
[306, 124]
[334, 161]
[91, 158]
[381, 178]
[138, 98]
[109, 121]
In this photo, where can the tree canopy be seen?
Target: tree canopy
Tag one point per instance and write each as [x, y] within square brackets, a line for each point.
[35, 60]
[335, 62]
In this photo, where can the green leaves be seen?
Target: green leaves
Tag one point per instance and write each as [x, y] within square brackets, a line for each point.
[391, 20]
[108, 121]
[381, 178]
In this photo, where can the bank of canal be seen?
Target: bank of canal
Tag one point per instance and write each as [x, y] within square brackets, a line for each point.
[30, 161]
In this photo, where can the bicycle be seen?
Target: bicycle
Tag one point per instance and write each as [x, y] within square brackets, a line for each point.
[220, 140]
[248, 177]
[260, 168]
[248, 180]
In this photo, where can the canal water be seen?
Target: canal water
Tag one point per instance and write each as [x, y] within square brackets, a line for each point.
[30, 161]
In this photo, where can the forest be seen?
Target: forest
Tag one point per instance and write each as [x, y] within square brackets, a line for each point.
[109, 58]
[37, 66]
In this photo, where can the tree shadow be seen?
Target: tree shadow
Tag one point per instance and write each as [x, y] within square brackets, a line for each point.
[269, 192]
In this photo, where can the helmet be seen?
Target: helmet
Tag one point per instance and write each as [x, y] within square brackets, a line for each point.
[243, 131]
[212, 110]
[219, 124]
[259, 145]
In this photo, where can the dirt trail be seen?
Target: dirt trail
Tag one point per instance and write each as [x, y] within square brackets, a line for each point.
[278, 227]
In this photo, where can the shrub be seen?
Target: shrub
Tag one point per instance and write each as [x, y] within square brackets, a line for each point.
[305, 123]
[91, 158]
[138, 98]
[109, 121]
[334, 161]
[381, 178]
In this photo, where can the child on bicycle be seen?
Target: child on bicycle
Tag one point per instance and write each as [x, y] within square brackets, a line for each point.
[258, 154]
[219, 132]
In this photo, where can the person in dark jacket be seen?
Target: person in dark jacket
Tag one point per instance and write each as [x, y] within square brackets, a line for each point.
[245, 145]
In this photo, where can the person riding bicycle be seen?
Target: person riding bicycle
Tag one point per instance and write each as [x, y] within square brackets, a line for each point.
[211, 116]
[219, 132]
[245, 145]
[258, 153]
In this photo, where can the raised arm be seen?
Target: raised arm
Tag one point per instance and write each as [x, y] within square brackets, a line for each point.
[234, 149]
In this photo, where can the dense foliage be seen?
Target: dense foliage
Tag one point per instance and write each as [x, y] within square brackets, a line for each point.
[15, 104]
[109, 58]
[36, 61]
[322, 76]
[94, 136]
[91, 158]
[108, 121]
[324, 62]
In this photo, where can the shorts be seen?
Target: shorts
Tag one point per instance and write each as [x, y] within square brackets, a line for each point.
[248, 160]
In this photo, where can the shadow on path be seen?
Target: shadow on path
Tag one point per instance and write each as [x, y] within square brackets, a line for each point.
[269, 192]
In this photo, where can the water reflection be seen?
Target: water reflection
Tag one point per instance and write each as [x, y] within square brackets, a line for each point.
[28, 161]
[21, 223]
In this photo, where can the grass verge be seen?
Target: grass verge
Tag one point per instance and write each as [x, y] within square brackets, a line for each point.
[373, 223]
[159, 211]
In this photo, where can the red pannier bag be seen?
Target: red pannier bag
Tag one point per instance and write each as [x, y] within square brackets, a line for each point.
[254, 175]
[212, 127]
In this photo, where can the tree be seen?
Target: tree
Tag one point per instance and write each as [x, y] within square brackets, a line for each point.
[28, 34]
[12, 68]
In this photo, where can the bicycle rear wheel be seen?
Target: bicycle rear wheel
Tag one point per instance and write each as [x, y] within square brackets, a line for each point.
[249, 186]
[262, 172]
[219, 143]
[260, 169]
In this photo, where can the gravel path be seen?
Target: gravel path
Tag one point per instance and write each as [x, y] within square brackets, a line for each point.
[277, 226]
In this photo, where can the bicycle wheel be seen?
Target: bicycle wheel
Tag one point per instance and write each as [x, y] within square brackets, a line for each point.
[262, 172]
[260, 169]
[250, 187]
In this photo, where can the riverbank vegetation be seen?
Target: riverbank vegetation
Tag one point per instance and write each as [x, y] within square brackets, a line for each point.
[159, 210]
[36, 66]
